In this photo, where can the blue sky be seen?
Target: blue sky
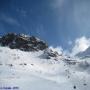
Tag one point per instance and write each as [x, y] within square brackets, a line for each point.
[59, 22]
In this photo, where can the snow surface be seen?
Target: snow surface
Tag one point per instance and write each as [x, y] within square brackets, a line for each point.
[27, 71]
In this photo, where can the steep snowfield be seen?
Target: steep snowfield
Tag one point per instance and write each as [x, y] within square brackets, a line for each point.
[28, 71]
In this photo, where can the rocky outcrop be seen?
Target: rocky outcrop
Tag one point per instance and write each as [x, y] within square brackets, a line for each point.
[49, 53]
[22, 42]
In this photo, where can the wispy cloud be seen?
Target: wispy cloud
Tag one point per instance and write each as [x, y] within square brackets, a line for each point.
[9, 20]
[75, 14]
[81, 15]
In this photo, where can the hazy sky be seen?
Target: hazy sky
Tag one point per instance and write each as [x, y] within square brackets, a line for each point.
[59, 22]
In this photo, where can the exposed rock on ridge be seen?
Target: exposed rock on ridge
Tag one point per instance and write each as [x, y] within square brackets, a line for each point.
[22, 42]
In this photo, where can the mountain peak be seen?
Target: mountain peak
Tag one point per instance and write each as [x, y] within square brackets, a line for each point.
[22, 42]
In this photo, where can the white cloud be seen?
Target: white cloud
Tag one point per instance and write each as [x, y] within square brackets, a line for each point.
[81, 44]
[58, 49]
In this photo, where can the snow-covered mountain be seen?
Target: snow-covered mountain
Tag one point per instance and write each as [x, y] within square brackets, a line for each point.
[22, 42]
[40, 69]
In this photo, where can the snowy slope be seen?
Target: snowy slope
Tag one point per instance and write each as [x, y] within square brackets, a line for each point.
[28, 71]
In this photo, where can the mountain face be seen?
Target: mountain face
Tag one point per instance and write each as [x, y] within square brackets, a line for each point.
[27, 43]
[22, 42]
[84, 54]
[37, 67]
